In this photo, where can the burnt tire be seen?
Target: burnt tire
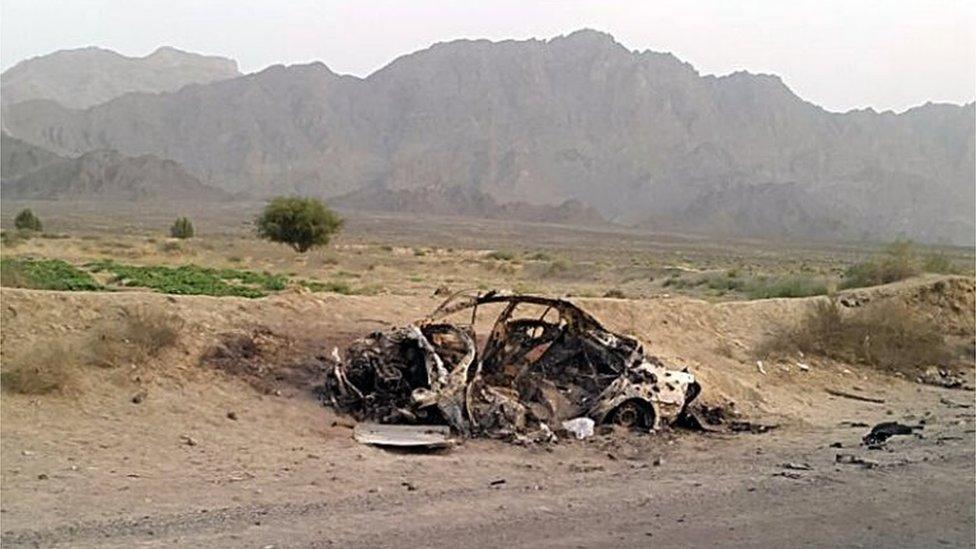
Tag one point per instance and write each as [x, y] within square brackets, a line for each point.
[634, 413]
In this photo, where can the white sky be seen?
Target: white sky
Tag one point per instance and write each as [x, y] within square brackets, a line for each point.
[845, 54]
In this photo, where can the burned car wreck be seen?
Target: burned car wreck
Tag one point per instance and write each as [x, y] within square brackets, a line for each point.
[545, 361]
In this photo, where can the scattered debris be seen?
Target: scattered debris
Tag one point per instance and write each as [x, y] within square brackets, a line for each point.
[789, 474]
[545, 361]
[856, 460]
[885, 430]
[139, 397]
[941, 377]
[749, 427]
[580, 427]
[853, 396]
[759, 365]
[403, 436]
[952, 404]
[232, 416]
[803, 367]
[797, 466]
[188, 440]
[497, 482]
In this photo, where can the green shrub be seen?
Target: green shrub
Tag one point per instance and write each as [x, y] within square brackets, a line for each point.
[44, 274]
[791, 286]
[182, 228]
[897, 262]
[301, 223]
[27, 221]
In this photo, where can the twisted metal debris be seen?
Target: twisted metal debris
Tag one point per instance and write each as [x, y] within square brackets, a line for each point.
[532, 372]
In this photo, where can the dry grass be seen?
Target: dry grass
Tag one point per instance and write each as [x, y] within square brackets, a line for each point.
[46, 367]
[57, 366]
[887, 335]
[141, 334]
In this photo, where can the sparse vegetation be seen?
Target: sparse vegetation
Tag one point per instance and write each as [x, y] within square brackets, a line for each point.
[54, 365]
[14, 238]
[887, 335]
[898, 261]
[182, 228]
[789, 286]
[27, 221]
[501, 255]
[192, 279]
[44, 274]
[140, 334]
[43, 368]
[759, 287]
[302, 223]
[338, 287]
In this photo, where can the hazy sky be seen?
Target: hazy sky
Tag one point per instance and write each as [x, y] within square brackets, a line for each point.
[842, 54]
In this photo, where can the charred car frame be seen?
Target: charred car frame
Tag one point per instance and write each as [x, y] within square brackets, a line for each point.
[533, 371]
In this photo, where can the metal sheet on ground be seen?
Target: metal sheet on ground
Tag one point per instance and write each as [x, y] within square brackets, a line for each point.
[422, 436]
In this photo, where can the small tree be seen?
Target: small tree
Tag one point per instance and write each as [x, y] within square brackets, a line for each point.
[302, 223]
[27, 221]
[182, 228]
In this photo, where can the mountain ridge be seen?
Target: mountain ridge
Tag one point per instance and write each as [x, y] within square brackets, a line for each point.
[640, 136]
[85, 77]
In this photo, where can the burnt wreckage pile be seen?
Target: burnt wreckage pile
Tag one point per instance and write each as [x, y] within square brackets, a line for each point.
[544, 362]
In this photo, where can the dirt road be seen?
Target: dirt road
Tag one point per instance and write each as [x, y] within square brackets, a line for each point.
[705, 491]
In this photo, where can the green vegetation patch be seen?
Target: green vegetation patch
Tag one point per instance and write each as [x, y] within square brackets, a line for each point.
[762, 287]
[192, 279]
[45, 274]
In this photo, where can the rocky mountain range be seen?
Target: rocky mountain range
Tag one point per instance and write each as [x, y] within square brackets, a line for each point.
[86, 77]
[32, 173]
[641, 137]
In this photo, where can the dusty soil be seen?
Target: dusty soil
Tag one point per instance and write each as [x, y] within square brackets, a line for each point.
[246, 457]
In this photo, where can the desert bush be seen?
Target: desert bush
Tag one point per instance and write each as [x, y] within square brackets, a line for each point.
[301, 223]
[615, 293]
[27, 221]
[557, 267]
[897, 262]
[14, 238]
[937, 262]
[170, 246]
[790, 286]
[501, 255]
[41, 369]
[338, 287]
[182, 228]
[44, 274]
[140, 334]
[887, 335]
